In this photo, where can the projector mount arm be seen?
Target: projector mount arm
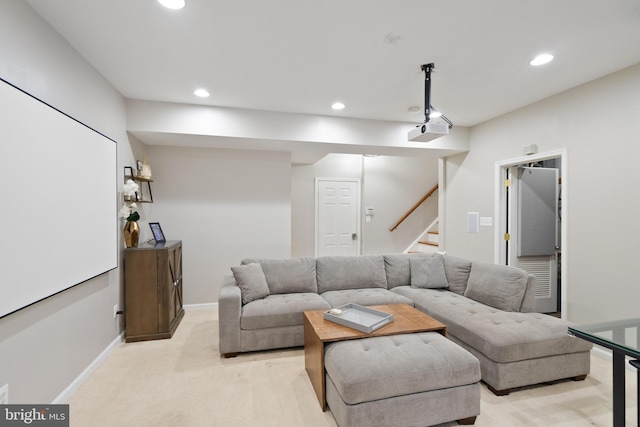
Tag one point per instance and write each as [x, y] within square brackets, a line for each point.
[427, 68]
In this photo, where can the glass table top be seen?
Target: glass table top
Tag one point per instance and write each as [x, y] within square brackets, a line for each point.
[620, 335]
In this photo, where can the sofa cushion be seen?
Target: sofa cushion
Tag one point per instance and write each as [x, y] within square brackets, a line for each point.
[251, 281]
[427, 271]
[398, 269]
[288, 275]
[377, 368]
[373, 296]
[499, 286]
[501, 336]
[350, 272]
[457, 271]
[280, 310]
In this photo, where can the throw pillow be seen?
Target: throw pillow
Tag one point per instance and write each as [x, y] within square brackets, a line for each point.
[499, 286]
[251, 281]
[427, 271]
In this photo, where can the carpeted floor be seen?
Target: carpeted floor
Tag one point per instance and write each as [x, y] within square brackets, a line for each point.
[183, 382]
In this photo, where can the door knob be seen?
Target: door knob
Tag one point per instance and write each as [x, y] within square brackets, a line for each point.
[354, 236]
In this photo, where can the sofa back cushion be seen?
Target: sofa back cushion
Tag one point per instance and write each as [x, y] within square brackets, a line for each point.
[499, 286]
[427, 271]
[529, 298]
[457, 271]
[285, 276]
[337, 273]
[398, 269]
[251, 281]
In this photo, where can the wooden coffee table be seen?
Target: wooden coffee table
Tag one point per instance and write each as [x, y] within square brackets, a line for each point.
[318, 332]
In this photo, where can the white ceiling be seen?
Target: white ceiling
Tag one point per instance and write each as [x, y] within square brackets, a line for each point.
[302, 55]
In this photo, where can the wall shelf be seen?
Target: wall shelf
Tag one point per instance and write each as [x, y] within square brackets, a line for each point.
[140, 197]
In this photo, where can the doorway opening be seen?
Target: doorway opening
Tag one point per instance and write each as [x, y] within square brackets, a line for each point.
[530, 233]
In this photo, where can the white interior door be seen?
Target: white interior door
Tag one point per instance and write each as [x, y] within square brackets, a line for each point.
[337, 217]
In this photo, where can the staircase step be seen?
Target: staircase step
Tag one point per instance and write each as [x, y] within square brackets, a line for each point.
[424, 242]
[433, 232]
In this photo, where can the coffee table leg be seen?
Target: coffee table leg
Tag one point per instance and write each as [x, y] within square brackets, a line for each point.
[314, 362]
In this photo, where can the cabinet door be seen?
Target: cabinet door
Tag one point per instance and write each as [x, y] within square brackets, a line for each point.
[175, 274]
[165, 289]
[177, 281]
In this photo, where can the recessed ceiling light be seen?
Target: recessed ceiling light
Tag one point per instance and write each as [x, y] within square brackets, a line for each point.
[393, 37]
[414, 109]
[542, 59]
[172, 4]
[202, 93]
[337, 106]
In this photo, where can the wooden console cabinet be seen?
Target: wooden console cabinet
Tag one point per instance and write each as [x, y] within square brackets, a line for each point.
[153, 290]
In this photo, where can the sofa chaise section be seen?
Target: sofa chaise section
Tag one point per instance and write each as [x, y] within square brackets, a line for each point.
[515, 346]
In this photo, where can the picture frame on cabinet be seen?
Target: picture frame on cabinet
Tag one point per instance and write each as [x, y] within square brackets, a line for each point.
[158, 235]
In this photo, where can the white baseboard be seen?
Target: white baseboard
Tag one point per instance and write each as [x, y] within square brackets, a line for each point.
[602, 353]
[606, 354]
[84, 375]
[75, 384]
[207, 306]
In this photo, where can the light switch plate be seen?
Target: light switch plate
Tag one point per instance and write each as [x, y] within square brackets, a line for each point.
[486, 221]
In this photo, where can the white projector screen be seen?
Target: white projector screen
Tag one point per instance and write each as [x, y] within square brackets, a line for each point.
[59, 222]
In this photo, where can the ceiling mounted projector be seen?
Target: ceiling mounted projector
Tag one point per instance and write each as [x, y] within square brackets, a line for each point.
[429, 131]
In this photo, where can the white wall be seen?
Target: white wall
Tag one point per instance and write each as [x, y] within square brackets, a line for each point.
[225, 205]
[303, 202]
[46, 346]
[390, 184]
[598, 123]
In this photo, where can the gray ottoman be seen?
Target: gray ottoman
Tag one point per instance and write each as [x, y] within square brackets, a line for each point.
[401, 380]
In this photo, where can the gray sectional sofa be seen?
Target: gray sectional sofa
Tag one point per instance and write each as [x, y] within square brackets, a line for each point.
[488, 309]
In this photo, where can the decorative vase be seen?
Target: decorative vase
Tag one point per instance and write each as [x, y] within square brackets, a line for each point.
[131, 234]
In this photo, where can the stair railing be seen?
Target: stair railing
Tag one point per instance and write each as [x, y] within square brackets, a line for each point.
[414, 207]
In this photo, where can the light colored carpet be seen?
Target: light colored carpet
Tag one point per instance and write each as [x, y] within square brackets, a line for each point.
[183, 382]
